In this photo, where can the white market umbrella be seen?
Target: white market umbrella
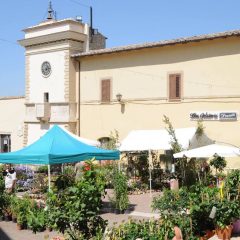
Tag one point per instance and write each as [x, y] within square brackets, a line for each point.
[222, 150]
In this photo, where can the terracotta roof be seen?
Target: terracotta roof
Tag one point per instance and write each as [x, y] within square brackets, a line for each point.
[160, 43]
[11, 97]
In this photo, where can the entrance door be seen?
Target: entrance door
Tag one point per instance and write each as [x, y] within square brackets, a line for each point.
[5, 143]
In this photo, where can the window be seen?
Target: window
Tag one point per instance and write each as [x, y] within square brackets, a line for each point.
[5, 143]
[175, 85]
[46, 97]
[105, 90]
[105, 142]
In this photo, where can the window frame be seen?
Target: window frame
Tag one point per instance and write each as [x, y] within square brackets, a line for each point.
[110, 90]
[180, 98]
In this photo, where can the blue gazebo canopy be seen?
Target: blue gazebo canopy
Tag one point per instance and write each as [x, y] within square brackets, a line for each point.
[56, 147]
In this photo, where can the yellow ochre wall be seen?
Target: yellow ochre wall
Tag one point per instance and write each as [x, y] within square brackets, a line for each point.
[211, 82]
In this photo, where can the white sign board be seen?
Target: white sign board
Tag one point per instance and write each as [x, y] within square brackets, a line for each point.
[214, 116]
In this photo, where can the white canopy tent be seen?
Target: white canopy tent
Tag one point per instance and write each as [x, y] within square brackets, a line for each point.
[147, 140]
[144, 140]
[81, 139]
[222, 150]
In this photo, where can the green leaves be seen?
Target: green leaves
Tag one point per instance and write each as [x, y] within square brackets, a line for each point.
[120, 187]
[75, 210]
[219, 163]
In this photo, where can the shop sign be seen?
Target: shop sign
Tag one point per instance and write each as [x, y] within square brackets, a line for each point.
[214, 116]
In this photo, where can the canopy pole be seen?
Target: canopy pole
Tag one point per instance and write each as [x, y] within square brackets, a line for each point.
[49, 178]
[150, 173]
[119, 166]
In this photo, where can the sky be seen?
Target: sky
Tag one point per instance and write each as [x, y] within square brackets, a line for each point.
[122, 22]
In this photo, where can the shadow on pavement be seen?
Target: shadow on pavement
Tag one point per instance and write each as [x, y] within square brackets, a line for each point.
[4, 236]
[108, 208]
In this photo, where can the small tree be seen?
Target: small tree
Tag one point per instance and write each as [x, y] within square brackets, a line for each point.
[176, 146]
[219, 163]
[120, 187]
[113, 140]
[200, 129]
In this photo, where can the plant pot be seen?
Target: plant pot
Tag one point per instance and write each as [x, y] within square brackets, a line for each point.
[19, 226]
[7, 218]
[49, 229]
[209, 234]
[236, 227]
[224, 233]
[14, 219]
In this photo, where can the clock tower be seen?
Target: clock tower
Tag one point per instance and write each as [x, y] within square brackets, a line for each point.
[51, 74]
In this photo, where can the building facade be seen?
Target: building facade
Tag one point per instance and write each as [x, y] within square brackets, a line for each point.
[94, 92]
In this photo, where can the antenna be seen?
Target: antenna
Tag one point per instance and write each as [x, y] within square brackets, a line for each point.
[91, 23]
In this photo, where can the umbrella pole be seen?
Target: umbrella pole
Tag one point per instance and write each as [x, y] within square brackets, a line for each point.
[49, 178]
[150, 173]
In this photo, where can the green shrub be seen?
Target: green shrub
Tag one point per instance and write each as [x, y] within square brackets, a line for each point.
[75, 210]
[120, 187]
[233, 184]
[43, 169]
[36, 218]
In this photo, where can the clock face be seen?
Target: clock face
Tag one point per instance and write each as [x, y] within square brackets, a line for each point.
[46, 69]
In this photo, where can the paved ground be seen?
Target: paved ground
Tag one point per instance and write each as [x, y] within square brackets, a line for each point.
[141, 209]
[8, 231]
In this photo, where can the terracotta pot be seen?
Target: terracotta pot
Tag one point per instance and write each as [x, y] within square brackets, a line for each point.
[19, 226]
[225, 233]
[209, 234]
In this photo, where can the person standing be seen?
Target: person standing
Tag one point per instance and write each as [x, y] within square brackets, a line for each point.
[10, 178]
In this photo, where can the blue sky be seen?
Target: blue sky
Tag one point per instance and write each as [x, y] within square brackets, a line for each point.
[123, 22]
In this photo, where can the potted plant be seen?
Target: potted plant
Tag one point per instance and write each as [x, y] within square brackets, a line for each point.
[36, 219]
[120, 188]
[225, 214]
[6, 207]
[22, 211]
[14, 207]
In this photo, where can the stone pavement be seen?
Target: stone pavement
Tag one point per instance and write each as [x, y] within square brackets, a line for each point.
[8, 231]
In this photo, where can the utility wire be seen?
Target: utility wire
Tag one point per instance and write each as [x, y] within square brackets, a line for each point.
[7, 41]
[77, 2]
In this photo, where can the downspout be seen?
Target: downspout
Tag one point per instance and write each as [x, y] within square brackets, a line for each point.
[78, 102]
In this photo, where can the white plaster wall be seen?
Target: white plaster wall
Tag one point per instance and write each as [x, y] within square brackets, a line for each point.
[53, 28]
[12, 113]
[35, 131]
[54, 84]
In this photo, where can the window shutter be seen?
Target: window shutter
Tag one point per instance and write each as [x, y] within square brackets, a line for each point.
[106, 90]
[174, 87]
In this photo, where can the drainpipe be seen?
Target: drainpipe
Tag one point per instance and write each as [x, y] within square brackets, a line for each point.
[78, 101]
